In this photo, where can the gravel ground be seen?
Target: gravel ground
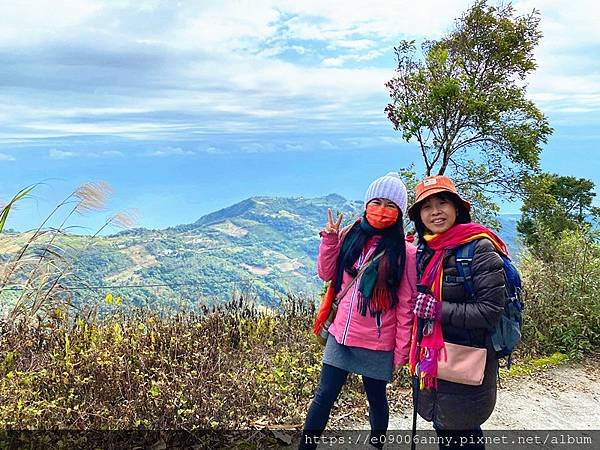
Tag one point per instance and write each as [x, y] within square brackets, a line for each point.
[555, 399]
[558, 398]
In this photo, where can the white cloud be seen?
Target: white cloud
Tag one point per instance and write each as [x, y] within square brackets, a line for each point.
[387, 20]
[60, 154]
[357, 57]
[29, 21]
[255, 148]
[277, 78]
[355, 44]
[373, 141]
[170, 151]
[159, 69]
[334, 62]
[107, 154]
[326, 145]
[134, 129]
[5, 157]
[224, 26]
[214, 150]
[277, 50]
[298, 49]
[567, 79]
[98, 111]
[392, 140]
[568, 27]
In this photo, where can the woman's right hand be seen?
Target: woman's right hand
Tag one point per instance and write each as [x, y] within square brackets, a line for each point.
[333, 227]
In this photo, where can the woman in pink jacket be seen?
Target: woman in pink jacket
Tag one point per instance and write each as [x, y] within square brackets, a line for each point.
[370, 334]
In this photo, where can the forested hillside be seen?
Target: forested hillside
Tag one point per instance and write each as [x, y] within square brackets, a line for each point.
[263, 246]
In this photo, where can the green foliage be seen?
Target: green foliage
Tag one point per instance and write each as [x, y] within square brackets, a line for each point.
[410, 179]
[264, 246]
[528, 366]
[553, 204]
[229, 367]
[463, 100]
[6, 208]
[562, 294]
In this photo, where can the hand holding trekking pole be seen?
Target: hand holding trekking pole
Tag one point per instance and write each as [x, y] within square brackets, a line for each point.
[416, 378]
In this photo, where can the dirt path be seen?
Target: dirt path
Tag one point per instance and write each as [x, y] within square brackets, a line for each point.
[553, 399]
[559, 398]
[566, 398]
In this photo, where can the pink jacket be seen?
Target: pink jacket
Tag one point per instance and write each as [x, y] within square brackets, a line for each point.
[349, 326]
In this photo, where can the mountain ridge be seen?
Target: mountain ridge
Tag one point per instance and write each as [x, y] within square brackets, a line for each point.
[267, 245]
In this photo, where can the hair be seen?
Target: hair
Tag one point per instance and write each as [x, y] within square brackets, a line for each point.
[463, 213]
[392, 241]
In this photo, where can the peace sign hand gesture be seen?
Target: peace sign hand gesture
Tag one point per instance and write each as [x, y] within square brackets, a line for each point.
[333, 227]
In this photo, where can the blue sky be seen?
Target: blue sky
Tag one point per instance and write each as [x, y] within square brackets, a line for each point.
[185, 107]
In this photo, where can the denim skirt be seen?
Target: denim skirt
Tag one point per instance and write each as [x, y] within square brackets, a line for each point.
[375, 364]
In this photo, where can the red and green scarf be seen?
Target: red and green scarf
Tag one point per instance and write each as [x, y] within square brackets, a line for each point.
[430, 350]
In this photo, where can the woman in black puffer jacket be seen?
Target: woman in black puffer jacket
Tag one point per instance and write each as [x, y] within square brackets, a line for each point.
[451, 315]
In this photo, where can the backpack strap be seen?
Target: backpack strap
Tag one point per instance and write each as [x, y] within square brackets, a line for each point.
[464, 259]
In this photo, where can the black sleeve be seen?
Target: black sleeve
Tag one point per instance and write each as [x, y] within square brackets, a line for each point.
[490, 294]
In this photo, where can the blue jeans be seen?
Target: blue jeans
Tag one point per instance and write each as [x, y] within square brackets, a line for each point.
[330, 386]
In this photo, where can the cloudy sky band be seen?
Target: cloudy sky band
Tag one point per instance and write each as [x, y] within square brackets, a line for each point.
[121, 81]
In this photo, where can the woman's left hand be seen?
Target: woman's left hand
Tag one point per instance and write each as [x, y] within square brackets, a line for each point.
[427, 307]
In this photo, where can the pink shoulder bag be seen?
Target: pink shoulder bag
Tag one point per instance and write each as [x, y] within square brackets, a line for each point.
[464, 365]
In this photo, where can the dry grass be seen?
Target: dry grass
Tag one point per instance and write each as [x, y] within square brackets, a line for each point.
[38, 268]
[228, 368]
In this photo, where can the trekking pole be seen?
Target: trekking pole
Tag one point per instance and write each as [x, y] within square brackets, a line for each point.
[416, 384]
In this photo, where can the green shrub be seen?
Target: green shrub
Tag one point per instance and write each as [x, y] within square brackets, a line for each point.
[562, 295]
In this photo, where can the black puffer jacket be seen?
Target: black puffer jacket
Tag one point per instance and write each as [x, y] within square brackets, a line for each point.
[469, 322]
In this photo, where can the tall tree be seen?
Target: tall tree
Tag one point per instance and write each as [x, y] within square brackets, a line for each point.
[553, 204]
[463, 100]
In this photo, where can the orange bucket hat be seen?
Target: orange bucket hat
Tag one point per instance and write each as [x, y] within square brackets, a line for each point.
[434, 185]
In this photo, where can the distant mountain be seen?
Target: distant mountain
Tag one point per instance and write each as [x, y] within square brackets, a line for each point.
[264, 245]
[509, 234]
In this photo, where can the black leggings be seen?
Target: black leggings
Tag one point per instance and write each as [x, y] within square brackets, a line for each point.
[332, 380]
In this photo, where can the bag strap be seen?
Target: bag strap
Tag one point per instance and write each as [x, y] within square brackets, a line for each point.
[419, 258]
[464, 258]
[364, 267]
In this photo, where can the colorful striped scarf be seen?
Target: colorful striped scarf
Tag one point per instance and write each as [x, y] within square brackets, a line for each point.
[431, 349]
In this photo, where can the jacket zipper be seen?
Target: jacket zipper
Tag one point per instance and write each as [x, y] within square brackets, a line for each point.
[354, 291]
